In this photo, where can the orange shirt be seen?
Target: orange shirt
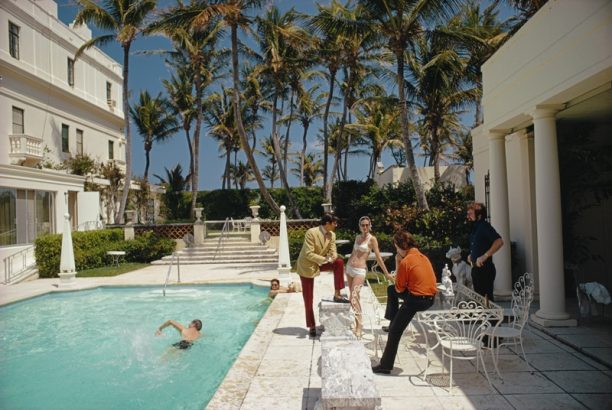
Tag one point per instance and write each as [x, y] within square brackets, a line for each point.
[416, 274]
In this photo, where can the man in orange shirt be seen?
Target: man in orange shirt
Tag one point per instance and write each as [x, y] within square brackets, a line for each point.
[415, 284]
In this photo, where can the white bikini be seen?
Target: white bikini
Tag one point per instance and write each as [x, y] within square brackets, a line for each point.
[361, 247]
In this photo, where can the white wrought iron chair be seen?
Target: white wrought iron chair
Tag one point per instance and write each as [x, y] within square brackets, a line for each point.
[511, 334]
[459, 332]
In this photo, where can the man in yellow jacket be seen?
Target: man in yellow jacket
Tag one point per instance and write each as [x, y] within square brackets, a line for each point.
[319, 253]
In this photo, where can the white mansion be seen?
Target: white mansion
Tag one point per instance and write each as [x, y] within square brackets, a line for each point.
[548, 90]
[52, 108]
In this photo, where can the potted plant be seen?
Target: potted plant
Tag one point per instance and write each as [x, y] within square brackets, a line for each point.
[254, 205]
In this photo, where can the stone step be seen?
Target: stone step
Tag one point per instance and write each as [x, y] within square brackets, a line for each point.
[252, 256]
[225, 250]
[214, 242]
[221, 259]
[233, 235]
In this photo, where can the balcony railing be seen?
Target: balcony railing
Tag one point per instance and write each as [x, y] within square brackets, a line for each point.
[26, 149]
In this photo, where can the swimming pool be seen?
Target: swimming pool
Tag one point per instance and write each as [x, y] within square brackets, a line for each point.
[97, 349]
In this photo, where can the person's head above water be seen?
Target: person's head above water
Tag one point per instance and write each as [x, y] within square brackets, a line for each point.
[197, 323]
[274, 284]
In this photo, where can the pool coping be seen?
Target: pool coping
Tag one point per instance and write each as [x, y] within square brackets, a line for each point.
[233, 389]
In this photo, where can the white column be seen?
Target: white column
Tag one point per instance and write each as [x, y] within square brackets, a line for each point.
[284, 262]
[530, 240]
[499, 212]
[549, 229]
[67, 271]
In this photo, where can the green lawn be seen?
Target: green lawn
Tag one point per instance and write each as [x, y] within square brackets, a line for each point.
[111, 270]
[379, 289]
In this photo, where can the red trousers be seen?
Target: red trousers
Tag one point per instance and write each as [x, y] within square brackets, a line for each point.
[308, 287]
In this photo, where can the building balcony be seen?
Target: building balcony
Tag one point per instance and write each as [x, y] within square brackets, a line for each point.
[26, 150]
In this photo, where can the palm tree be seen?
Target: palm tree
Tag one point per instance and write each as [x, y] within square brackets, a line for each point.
[154, 121]
[280, 38]
[175, 184]
[329, 46]
[378, 126]
[358, 45]
[309, 107]
[124, 19]
[196, 47]
[480, 33]
[439, 90]
[242, 174]
[267, 151]
[271, 174]
[181, 99]
[310, 167]
[399, 22]
[233, 14]
[220, 119]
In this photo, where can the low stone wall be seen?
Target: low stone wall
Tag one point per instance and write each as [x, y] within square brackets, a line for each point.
[347, 381]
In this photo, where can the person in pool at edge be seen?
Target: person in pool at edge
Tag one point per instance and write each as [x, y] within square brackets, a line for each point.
[189, 334]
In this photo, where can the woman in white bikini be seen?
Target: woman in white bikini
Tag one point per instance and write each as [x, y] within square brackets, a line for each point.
[356, 267]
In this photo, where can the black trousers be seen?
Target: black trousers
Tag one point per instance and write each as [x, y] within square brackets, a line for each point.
[483, 279]
[400, 319]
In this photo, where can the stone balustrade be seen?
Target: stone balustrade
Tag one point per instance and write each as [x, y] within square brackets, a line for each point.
[25, 149]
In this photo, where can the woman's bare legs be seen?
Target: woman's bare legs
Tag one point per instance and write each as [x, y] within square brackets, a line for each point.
[355, 285]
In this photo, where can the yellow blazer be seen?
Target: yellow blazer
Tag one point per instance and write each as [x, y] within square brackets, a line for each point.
[315, 251]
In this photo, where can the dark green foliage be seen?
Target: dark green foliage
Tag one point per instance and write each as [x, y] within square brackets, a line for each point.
[175, 206]
[296, 240]
[82, 165]
[226, 203]
[231, 203]
[90, 249]
[147, 247]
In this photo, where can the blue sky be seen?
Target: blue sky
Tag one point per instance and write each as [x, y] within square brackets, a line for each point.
[147, 73]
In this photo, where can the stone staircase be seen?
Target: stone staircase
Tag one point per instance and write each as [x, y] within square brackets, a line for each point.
[235, 249]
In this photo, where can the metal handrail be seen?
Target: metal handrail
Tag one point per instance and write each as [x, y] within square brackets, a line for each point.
[9, 273]
[222, 237]
[178, 266]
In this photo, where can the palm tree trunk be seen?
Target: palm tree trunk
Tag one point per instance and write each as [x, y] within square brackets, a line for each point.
[330, 97]
[304, 144]
[128, 135]
[286, 142]
[197, 80]
[277, 153]
[241, 133]
[147, 162]
[412, 170]
[187, 128]
[328, 193]
[435, 154]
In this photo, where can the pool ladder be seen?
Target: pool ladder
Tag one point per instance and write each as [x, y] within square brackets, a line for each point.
[178, 266]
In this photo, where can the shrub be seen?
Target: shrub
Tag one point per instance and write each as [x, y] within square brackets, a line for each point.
[90, 249]
[296, 240]
[147, 247]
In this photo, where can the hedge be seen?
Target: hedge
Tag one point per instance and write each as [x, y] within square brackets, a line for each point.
[90, 249]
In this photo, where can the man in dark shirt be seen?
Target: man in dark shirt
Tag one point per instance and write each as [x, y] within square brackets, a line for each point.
[484, 242]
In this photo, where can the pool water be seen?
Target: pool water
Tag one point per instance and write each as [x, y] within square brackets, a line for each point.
[97, 349]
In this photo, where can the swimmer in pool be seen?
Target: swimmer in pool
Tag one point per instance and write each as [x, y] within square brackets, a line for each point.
[276, 288]
[189, 334]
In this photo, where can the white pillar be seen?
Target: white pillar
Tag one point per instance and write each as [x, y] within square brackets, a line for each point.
[67, 266]
[527, 201]
[199, 228]
[499, 213]
[549, 228]
[284, 262]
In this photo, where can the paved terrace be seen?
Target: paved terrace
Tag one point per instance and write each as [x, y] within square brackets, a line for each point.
[279, 366]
